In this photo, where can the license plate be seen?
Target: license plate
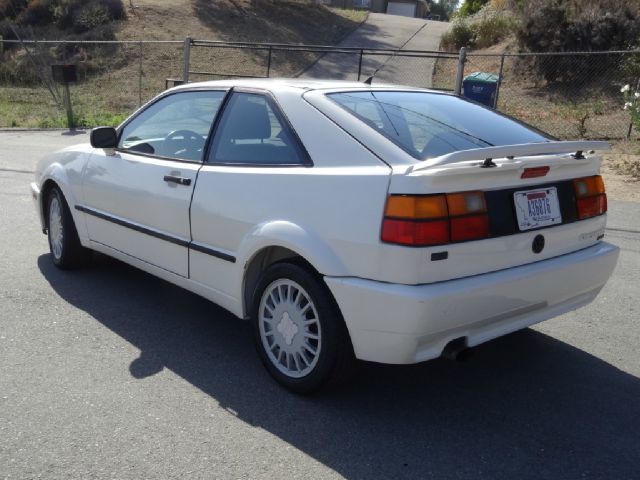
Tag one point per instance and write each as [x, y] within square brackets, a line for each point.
[537, 208]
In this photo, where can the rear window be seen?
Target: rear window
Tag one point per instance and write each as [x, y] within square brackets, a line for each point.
[428, 125]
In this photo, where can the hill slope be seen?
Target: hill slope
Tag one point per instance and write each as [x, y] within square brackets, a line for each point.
[270, 21]
[114, 79]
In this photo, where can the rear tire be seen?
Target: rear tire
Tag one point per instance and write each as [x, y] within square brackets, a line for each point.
[300, 334]
[66, 250]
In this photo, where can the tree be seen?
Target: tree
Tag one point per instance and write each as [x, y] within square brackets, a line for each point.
[444, 8]
[469, 7]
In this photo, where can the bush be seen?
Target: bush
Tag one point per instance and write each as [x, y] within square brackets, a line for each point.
[90, 16]
[493, 28]
[469, 7]
[480, 31]
[81, 15]
[36, 13]
[8, 7]
[459, 35]
[550, 26]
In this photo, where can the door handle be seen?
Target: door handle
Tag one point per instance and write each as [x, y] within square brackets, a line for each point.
[176, 179]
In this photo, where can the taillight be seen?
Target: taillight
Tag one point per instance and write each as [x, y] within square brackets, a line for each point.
[591, 199]
[423, 220]
[468, 216]
[409, 232]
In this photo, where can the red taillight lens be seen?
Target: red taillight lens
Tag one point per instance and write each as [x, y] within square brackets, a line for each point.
[469, 228]
[417, 234]
[591, 199]
[592, 206]
[423, 220]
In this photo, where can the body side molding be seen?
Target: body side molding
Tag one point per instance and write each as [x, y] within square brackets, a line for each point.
[154, 233]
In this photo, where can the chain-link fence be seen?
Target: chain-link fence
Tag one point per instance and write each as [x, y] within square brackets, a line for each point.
[113, 79]
[214, 60]
[569, 95]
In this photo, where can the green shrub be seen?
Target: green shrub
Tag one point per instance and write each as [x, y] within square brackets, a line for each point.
[91, 16]
[469, 7]
[480, 31]
[8, 7]
[36, 13]
[68, 19]
[459, 35]
[551, 26]
[81, 15]
[491, 29]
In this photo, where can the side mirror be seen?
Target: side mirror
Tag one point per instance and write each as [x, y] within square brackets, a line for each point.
[104, 137]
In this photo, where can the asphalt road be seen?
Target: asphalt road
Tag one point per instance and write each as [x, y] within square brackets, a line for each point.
[110, 373]
[386, 32]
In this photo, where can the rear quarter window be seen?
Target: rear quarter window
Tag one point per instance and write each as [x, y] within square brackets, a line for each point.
[428, 125]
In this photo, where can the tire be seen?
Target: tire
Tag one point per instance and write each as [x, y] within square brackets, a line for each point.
[66, 250]
[299, 331]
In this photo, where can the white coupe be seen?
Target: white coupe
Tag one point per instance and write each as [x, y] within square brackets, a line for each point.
[345, 220]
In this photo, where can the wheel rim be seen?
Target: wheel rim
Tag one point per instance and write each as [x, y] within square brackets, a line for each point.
[290, 328]
[55, 227]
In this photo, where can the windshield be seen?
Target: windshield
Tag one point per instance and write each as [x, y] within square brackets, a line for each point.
[428, 125]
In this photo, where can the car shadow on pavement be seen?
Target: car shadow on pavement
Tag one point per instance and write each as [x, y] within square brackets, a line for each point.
[525, 406]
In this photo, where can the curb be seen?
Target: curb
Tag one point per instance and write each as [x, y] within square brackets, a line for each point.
[22, 129]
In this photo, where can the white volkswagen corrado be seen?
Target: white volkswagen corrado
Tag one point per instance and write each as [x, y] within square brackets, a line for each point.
[345, 220]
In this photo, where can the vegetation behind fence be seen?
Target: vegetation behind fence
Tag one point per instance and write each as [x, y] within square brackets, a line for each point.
[117, 77]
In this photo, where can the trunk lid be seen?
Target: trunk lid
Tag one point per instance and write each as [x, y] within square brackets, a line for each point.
[509, 245]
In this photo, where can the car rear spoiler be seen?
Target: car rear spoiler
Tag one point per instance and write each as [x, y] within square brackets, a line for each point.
[486, 155]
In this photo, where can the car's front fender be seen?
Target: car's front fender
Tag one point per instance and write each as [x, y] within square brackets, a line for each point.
[64, 168]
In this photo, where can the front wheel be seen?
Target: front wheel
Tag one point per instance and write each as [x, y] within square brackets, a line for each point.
[300, 334]
[64, 244]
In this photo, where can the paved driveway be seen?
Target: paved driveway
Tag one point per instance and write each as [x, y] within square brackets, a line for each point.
[389, 32]
[109, 372]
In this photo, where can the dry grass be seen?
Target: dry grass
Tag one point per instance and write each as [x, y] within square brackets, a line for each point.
[621, 171]
[112, 89]
[592, 110]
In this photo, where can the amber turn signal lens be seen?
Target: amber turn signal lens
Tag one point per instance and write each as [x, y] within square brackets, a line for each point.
[416, 206]
[588, 186]
[466, 203]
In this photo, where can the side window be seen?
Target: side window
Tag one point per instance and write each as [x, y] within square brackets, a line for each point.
[253, 131]
[176, 126]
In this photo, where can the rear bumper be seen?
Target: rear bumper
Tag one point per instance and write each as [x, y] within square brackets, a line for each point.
[392, 323]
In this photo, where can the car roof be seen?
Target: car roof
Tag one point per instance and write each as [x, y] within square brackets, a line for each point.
[275, 84]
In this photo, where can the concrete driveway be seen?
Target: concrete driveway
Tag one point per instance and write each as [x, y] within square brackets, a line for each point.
[388, 32]
[108, 372]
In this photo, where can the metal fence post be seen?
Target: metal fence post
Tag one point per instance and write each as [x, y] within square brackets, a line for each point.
[631, 122]
[187, 59]
[360, 64]
[269, 61]
[140, 76]
[67, 104]
[462, 58]
[495, 100]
